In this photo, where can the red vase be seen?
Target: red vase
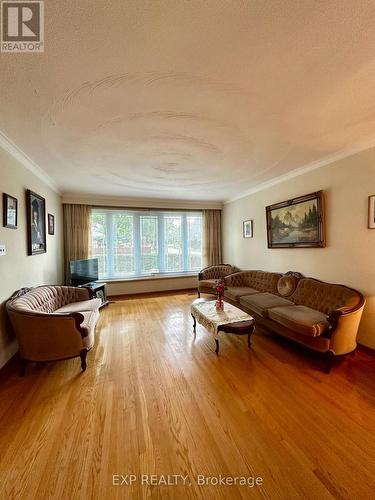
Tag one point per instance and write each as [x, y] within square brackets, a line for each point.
[219, 304]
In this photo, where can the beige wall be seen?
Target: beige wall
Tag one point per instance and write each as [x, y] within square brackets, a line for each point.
[18, 270]
[349, 257]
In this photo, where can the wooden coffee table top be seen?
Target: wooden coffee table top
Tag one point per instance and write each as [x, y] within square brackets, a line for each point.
[209, 317]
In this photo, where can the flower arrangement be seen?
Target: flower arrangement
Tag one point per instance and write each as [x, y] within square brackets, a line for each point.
[220, 287]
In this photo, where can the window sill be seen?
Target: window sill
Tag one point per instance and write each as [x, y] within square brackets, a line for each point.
[149, 278]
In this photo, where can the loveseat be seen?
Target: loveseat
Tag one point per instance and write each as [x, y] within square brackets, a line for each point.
[322, 316]
[53, 323]
[208, 277]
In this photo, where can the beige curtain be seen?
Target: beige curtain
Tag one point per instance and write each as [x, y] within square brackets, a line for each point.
[77, 234]
[212, 237]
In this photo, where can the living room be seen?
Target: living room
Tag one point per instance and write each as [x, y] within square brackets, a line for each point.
[188, 214]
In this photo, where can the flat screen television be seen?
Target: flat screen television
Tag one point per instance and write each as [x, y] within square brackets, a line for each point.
[84, 271]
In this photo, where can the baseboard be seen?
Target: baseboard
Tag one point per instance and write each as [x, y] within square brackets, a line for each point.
[8, 367]
[365, 349]
[8, 352]
[139, 295]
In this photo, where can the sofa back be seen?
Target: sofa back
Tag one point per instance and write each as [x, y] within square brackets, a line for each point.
[260, 280]
[325, 297]
[46, 299]
[217, 272]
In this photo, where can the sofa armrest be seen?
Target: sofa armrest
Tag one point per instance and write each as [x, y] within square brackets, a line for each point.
[343, 328]
[78, 320]
[48, 318]
[48, 336]
[343, 336]
[338, 314]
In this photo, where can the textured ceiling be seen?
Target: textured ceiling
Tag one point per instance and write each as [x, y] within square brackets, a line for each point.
[194, 100]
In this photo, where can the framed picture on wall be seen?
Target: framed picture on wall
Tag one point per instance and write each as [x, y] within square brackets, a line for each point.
[10, 211]
[247, 229]
[51, 224]
[371, 211]
[296, 223]
[36, 223]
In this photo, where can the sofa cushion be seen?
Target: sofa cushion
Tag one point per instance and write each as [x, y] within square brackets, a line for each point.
[206, 284]
[287, 285]
[83, 305]
[261, 302]
[235, 292]
[88, 327]
[300, 319]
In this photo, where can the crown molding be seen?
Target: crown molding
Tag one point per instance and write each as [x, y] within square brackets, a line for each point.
[309, 167]
[117, 201]
[17, 153]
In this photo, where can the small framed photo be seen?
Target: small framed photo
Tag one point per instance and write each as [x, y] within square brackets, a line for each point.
[247, 229]
[51, 224]
[36, 223]
[371, 211]
[10, 211]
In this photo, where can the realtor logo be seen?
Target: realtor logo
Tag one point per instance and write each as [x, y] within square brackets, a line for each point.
[22, 26]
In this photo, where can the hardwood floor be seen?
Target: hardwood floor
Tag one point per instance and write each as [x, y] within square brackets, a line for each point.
[156, 400]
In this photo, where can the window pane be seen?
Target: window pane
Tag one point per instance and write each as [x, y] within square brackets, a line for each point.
[99, 241]
[149, 244]
[173, 243]
[123, 243]
[194, 243]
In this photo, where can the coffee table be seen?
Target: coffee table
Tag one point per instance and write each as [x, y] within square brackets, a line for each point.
[231, 320]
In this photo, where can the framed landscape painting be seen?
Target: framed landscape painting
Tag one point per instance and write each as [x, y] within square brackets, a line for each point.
[10, 211]
[36, 223]
[296, 223]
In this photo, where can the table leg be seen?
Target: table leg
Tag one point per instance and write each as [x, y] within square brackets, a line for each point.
[194, 324]
[217, 346]
[251, 331]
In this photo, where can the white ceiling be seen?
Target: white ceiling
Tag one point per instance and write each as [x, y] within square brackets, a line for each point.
[193, 100]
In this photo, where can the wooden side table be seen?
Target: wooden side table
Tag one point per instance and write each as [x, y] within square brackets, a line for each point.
[97, 291]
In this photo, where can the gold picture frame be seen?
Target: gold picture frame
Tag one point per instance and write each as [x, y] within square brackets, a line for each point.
[297, 223]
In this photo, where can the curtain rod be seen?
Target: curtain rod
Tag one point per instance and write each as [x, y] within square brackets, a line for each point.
[148, 209]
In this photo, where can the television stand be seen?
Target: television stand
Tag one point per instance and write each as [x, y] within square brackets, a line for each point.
[97, 291]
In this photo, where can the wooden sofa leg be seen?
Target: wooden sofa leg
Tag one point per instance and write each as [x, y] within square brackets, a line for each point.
[199, 294]
[23, 364]
[83, 355]
[330, 357]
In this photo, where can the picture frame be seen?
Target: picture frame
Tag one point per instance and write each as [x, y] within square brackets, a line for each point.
[371, 211]
[297, 223]
[247, 229]
[36, 223]
[10, 211]
[51, 224]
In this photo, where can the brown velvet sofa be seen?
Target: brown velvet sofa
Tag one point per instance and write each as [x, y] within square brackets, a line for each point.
[322, 316]
[208, 277]
[53, 323]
